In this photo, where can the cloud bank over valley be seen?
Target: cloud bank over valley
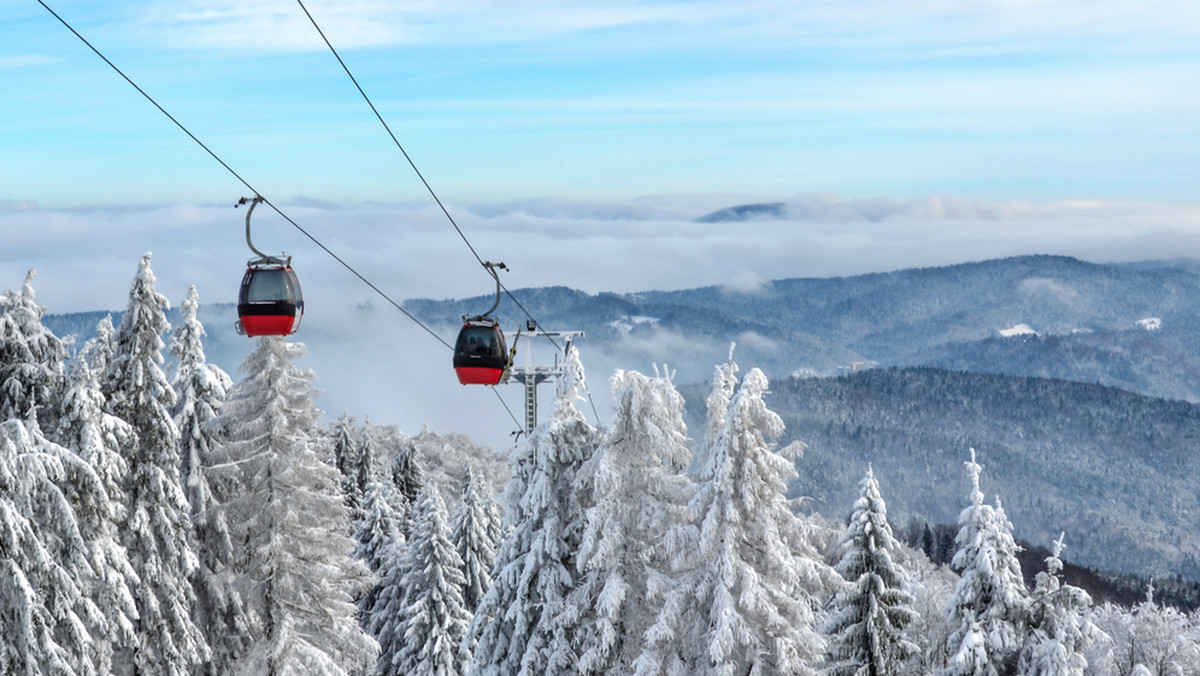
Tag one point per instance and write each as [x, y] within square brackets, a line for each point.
[85, 256]
[371, 359]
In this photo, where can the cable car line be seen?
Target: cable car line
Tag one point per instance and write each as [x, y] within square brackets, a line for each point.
[395, 140]
[275, 208]
[148, 97]
[433, 194]
[243, 181]
[413, 164]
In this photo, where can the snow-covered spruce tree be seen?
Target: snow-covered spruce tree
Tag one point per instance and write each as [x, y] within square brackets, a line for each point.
[384, 620]
[866, 631]
[31, 357]
[473, 540]
[101, 347]
[639, 492]
[433, 620]
[365, 471]
[408, 479]
[1146, 639]
[495, 525]
[296, 570]
[378, 531]
[208, 480]
[931, 586]
[516, 629]
[1061, 632]
[669, 644]
[746, 598]
[46, 563]
[98, 438]
[65, 552]
[345, 458]
[407, 473]
[158, 534]
[724, 384]
[990, 606]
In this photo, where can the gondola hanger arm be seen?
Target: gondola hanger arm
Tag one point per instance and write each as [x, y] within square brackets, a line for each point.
[262, 257]
[491, 268]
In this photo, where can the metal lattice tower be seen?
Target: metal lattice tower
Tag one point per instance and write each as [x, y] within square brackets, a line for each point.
[531, 375]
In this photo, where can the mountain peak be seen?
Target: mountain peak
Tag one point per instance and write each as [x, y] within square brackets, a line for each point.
[745, 212]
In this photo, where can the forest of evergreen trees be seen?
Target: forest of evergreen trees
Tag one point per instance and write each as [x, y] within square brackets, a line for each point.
[195, 525]
[1113, 469]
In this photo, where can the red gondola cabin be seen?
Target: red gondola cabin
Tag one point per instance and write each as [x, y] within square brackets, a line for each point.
[270, 302]
[480, 355]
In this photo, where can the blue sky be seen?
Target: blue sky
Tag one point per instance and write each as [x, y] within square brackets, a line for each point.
[1043, 101]
[577, 142]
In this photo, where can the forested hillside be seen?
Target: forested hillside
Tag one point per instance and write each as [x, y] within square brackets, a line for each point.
[1113, 470]
[1086, 318]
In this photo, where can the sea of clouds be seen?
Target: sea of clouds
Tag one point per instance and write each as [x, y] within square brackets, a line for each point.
[373, 361]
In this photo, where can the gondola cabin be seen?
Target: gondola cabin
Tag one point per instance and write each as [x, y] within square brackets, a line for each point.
[270, 302]
[480, 354]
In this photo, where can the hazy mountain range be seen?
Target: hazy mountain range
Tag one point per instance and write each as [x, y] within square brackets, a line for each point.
[1134, 326]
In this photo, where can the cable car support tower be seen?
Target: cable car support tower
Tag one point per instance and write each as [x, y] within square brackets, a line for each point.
[531, 375]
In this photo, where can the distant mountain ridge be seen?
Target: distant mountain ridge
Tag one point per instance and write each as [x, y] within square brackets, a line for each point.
[745, 212]
[1086, 316]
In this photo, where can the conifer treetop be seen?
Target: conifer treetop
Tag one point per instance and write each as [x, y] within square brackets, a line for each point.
[186, 342]
[973, 470]
[570, 382]
[31, 356]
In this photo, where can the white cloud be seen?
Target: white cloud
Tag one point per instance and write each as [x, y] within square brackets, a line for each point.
[918, 30]
[355, 24]
[17, 205]
[1019, 330]
[265, 25]
[1043, 286]
[746, 282]
[831, 208]
[757, 341]
[25, 61]
[87, 258]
